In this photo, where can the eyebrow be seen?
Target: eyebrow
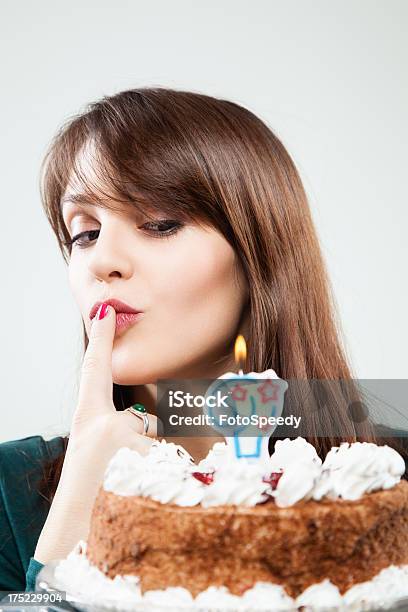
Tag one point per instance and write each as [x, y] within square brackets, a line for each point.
[82, 199]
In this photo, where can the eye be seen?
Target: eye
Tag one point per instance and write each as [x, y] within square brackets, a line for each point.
[77, 239]
[162, 229]
[167, 227]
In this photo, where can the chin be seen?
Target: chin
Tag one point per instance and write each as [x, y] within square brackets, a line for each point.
[127, 376]
[128, 369]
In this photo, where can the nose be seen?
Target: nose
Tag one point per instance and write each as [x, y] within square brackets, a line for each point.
[110, 254]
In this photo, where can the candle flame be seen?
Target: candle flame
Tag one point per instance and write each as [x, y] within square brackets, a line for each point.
[240, 349]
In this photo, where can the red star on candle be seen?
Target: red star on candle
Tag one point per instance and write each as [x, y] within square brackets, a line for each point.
[268, 391]
[239, 393]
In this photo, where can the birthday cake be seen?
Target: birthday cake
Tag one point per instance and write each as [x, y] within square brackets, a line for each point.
[287, 531]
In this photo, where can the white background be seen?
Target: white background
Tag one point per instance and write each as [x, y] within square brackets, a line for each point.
[330, 78]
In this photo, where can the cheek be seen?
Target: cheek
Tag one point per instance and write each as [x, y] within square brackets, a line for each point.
[201, 298]
[191, 277]
[74, 282]
[78, 289]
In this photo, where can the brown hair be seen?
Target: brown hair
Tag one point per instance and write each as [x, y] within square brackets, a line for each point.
[200, 158]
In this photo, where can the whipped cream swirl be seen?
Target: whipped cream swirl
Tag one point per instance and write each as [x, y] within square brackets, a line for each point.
[348, 471]
[165, 474]
[351, 470]
[300, 466]
[235, 482]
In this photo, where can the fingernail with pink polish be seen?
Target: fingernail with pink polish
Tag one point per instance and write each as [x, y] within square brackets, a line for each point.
[102, 311]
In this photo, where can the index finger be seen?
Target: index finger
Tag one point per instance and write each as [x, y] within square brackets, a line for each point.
[96, 386]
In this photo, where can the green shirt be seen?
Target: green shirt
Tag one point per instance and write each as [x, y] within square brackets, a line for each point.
[23, 511]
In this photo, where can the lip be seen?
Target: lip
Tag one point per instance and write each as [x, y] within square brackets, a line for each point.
[126, 319]
[120, 308]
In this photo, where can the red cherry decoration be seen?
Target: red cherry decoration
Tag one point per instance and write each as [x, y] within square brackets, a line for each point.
[205, 477]
[272, 479]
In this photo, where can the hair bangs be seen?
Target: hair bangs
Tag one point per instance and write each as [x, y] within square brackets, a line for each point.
[89, 162]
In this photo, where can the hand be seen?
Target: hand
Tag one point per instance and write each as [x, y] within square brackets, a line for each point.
[98, 430]
[96, 415]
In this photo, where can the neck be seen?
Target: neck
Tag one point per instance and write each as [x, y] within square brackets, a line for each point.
[197, 446]
[146, 395]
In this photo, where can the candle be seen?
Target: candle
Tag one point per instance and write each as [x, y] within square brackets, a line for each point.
[247, 396]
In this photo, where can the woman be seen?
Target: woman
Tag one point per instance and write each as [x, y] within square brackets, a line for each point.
[190, 210]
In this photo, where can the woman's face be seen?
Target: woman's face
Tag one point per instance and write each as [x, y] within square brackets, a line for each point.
[188, 285]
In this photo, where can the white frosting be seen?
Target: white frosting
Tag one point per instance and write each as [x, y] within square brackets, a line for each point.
[391, 581]
[86, 583]
[301, 467]
[237, 482]
[165, 474]
[296, 451]
[215, 457]
[351, 470]
[325, 593]
[266, 374]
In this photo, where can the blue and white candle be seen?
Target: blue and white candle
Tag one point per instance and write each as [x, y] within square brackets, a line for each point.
[254, 393]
